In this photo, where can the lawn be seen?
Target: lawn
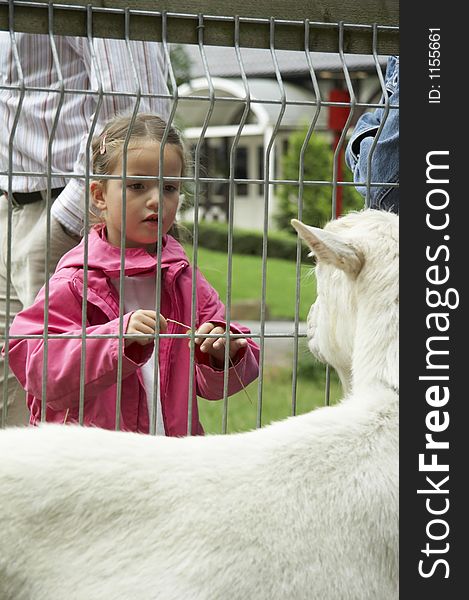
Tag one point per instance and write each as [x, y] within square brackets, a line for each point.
[247, 281]
[241, 410]
[276, 400]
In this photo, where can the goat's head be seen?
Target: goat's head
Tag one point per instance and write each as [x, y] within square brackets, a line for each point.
[355, 316]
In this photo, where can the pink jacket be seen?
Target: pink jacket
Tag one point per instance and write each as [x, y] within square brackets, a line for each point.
[65, 316]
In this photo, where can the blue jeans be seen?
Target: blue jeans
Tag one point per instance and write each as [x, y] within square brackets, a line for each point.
[385, 155]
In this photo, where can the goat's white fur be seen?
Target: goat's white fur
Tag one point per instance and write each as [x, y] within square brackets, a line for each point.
[306, 508]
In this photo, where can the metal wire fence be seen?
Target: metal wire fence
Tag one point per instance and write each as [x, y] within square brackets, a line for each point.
[202, 29]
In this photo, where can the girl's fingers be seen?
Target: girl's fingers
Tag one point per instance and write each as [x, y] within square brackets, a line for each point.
[163, 324]
[204, 328]
[215, 343]
[238, 344]
[145, 316]
[216, 346]
[147, 322]
[144, 328]
[143, 321]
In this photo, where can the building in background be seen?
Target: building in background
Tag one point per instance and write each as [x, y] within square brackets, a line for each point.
[215, 105]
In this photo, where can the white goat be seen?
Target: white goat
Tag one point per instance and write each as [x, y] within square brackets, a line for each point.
[306, 508]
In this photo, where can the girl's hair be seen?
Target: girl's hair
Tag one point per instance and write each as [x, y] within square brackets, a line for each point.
[107, 147]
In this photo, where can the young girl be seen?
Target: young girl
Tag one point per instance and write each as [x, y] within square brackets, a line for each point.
[66, 290]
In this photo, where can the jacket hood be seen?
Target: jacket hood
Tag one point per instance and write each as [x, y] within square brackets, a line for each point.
[107, 258]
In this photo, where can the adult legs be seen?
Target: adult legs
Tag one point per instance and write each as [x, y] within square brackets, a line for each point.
[26, 273]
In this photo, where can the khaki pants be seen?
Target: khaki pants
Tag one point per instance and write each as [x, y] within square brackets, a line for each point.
[27, 276]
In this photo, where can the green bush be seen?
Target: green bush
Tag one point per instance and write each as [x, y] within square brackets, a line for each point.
[317, 199]
[214, 236]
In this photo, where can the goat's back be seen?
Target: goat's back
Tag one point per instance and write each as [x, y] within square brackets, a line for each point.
[290, 511]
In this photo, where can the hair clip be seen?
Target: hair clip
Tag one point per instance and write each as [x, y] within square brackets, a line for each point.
[102, 147]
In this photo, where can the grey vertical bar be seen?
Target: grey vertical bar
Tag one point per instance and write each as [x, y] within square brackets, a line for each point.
[347, 123]
[48, 208]
[16, 58]
[327, 387]
[124, 226]
[301, 176]
[154, 412]
[95, 63]
[383, 120]
[266, 218]
[231, 198]
[336, 159]
[200, 30]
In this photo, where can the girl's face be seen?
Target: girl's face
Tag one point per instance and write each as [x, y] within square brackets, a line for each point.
[143, 205]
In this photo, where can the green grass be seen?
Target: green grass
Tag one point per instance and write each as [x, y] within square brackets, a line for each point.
[247, 281]
[241, 410]
[276, 398]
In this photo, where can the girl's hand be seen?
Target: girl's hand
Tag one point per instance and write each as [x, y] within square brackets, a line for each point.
[215, 347]
[144, 322]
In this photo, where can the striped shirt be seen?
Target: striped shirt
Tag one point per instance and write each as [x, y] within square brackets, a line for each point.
[63, 122]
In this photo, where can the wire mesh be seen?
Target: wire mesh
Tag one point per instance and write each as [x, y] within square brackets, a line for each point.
[269, 177]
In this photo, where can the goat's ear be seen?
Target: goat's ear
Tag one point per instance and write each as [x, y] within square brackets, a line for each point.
[330, 248]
